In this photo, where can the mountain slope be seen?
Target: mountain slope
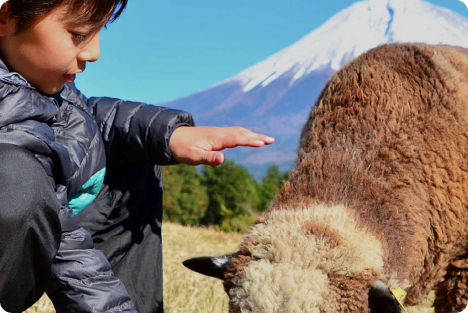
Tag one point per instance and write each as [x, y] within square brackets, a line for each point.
[275, 96]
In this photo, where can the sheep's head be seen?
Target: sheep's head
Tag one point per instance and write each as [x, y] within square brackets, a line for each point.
[304, 260]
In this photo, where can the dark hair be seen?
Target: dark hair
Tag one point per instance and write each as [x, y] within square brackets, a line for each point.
[91, 12]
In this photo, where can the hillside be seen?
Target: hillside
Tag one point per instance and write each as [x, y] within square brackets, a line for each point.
[275, 95]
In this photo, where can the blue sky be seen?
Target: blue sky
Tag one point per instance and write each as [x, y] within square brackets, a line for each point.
[164, 49]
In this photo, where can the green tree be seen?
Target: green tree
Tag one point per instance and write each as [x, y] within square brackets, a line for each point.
[233, 196]
[185, 199]
[271, 184]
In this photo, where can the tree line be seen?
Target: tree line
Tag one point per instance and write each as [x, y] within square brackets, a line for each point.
[226, 196]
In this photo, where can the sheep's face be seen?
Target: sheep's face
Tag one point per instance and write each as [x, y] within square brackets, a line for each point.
[304, 260]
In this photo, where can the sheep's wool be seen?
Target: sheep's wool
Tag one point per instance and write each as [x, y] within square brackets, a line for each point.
[289, 267]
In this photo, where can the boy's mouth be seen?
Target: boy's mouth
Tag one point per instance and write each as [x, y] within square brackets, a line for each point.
[69, 78]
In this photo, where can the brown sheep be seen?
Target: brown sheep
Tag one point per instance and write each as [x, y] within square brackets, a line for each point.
[378, 198]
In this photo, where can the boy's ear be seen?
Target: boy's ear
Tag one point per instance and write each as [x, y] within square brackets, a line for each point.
[6, 22]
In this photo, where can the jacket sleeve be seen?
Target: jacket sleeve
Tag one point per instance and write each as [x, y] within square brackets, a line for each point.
[82, 279]
[134, 131]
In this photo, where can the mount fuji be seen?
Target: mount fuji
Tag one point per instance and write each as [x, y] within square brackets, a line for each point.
[275, 96]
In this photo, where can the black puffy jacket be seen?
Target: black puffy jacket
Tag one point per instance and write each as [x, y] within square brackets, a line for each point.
[73, 137]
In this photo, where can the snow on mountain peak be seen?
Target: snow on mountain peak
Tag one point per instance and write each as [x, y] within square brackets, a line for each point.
[354, 30]
[295, 76]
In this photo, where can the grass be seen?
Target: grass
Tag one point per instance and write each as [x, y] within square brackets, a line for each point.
[185, 291]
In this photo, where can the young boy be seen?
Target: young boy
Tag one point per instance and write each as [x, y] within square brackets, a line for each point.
[62, 154]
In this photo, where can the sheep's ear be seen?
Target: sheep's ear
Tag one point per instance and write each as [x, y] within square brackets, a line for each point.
[210, 266]
[381, 300]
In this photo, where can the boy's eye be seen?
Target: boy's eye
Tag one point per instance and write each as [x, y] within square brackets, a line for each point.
[79, 37]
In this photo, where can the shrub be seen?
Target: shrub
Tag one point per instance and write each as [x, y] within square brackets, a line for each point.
[185, 200]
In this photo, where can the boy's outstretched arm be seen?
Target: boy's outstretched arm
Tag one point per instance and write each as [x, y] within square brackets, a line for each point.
[133, 131]
[202, 145]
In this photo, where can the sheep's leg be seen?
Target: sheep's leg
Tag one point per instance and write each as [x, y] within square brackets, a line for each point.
[452, 292]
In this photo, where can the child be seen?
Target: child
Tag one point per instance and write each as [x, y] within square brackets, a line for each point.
[62, 154]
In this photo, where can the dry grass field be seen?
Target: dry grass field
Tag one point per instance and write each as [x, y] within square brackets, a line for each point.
[185, 291]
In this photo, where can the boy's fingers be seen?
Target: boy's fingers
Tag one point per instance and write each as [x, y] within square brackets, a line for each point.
[213, 158]
[238, 136]
[206, 158]
[268, 140]
[265, 139]
[256, 138]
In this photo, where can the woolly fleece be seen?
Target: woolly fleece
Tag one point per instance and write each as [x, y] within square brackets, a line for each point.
[290, 266]
[384, 155]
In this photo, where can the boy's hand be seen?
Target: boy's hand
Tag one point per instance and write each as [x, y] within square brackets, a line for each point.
[201, 145]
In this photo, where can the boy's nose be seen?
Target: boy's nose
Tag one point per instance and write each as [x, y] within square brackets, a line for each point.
[92, 51]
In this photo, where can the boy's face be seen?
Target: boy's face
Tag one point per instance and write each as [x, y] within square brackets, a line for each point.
[51, 52]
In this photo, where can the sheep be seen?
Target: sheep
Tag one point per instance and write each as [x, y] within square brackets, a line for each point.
[377, 200]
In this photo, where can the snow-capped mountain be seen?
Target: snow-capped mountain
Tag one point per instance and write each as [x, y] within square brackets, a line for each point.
[275, 96]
